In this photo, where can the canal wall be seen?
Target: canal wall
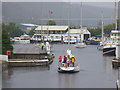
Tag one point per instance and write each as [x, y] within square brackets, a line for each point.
[27, 56]
[29, 63]
[29, 53]
[3, 62]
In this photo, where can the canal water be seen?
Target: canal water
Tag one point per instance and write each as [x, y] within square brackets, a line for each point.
[95, 71]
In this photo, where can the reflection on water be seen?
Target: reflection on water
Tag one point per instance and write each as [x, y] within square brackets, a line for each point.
[95, 72]
[66, 80]
[108, 63]
[8, 73]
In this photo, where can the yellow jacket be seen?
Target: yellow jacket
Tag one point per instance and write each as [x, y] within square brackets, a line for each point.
[68, 60]
[73, 59]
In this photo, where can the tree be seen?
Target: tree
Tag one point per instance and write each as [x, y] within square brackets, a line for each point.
[118, 21]
[95, 31]
[51, 22]
[108, 28]
[6, 45]
[31, 33]
[13, 30]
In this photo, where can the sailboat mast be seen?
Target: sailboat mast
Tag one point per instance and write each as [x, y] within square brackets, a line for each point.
[48, 27]
[102, 29]
[42, 36]
[69, 24]
[116, 14]
[81, 16]
[81, 24]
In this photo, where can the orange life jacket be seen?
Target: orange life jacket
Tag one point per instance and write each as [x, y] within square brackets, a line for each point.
[73, 59]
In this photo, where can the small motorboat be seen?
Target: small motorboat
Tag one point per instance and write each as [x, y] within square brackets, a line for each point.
[80, 45]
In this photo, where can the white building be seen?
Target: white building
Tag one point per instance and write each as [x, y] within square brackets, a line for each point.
[60, 33]
[77, 34]
[53, 33]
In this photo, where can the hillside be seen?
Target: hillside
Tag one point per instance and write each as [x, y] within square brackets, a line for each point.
[38, 13]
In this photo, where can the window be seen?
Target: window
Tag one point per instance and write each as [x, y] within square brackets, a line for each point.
[51, 32]
[61, 32]
[52, 36]
[75, 36]
[57, 36]
[42, 32]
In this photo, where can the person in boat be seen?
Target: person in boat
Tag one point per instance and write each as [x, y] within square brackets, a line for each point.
[60, 59]
[65, 60]
[73, 60]
[68, 60]
[42, 45]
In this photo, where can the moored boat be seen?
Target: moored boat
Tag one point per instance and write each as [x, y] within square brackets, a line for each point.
[109, 47]
[80, 45]
[69, 69]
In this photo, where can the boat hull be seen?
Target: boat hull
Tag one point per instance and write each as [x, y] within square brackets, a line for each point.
[93, 42]
[80, 46]
[109, 51]
[68, 69]
[100, 47]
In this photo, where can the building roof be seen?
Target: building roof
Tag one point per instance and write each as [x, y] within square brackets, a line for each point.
[52, 28]
[79, 31]
[31, 25]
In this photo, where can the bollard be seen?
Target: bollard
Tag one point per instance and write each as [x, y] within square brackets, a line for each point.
[118, 51]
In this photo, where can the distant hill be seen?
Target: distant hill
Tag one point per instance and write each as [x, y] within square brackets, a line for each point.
[38, 13]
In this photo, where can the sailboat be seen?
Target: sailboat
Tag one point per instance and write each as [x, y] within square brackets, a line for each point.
[69, 69]
[101, 44]
[64, 67]
[80, 44]
[110, 44]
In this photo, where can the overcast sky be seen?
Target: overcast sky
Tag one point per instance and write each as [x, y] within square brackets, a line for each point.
[59, 0]
[106, 5]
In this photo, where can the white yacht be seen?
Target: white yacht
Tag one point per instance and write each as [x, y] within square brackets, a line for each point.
[80, 45]
[109, 47]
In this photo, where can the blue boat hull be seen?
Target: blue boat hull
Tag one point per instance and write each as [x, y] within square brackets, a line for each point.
[109, 51]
